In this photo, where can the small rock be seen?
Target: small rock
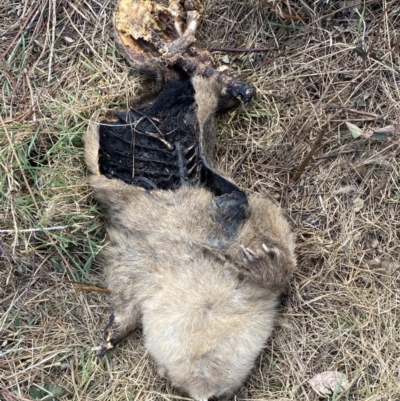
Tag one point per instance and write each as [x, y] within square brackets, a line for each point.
[225, 59]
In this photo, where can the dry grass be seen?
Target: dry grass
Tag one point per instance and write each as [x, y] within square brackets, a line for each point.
[59, 65]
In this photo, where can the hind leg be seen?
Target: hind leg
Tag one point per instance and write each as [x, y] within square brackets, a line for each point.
[119, 327]
[113, 193]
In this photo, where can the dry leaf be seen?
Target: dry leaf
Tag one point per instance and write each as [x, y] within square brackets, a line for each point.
[329, 382]
[358, 204]
[356, 132]
[382, 133]
[389, 129]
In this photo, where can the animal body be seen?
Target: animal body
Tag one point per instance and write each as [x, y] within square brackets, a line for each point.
[192, 260]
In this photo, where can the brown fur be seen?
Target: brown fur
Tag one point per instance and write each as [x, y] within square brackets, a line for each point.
[206, 302]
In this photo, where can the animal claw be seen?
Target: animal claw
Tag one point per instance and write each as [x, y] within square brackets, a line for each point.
[247, 254]
[270, 250]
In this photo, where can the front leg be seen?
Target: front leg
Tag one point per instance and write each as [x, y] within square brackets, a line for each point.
[186, 35]
[269, 266]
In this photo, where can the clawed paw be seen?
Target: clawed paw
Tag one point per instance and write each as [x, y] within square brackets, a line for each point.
[105, 347]
[268, 265]
[249, 256]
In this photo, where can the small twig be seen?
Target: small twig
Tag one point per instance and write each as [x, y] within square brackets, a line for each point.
[156, 136]
[316, 107]
[309, 156]
[378, 29]
[360, 120]
[240, 162]
[268, 61]
[363, 113]
[85, 287]
[333, 154]
[233, 50]
[32, 230]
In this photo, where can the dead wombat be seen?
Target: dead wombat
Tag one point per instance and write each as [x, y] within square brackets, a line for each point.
[192, 259]
[200, 272]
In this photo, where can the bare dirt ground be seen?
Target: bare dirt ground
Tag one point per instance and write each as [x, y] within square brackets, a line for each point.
[323, 64]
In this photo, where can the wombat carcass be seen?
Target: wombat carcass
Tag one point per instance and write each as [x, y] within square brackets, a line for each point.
[192, 259]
